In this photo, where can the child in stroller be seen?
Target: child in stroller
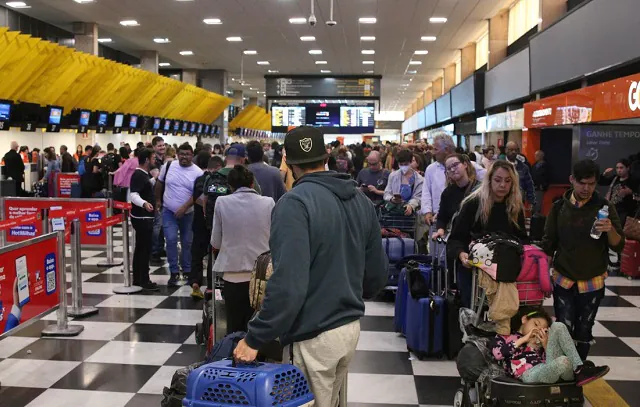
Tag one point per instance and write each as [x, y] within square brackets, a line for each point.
[542, 351]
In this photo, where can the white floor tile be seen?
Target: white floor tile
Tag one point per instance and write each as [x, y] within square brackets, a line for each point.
[85, 276]
[13, 344]
[53, 316]
[132, 301]
[65, 398]
[184, 291]
[91, 253]
[609, 293]
[382, 389]
[622, 282]
[159, 380]
[113, 270]
[618, 314]
[99, 331]
[92, 261]
[599, 331]
[134, 353]
[171, 317]
[634, 343]
[381, 341]
[435, 368]
[33, 373]
[379, 309]
[634, 299]
[191, 340]
[97, 288]
[621, 368]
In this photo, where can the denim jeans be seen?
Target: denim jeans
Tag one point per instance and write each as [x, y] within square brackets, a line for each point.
[171, 225]
[157, 239]
[578, 312]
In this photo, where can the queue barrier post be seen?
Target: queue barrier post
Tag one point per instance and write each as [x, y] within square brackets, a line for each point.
[3, 240]
[77, 309]
[109, 230]
[128, 288]
[62, 327]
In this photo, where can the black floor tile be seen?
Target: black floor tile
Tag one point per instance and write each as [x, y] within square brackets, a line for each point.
[623, 329]
[181, 303]
[611, 301]
[144, 400]
[90, 299]
[107, 314]
[107, 377]
[186, 355]
[436, 390]
[107, 278]
[378, 324]
[18, 396]
[156, 333]
[392, 363]
[623, 290]
[72, 350]
[611, 347]
[91, 268]
[628, 390]
[34, 330]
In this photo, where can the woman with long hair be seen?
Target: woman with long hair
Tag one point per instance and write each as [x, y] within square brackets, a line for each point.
[79, 153]
[496, 206]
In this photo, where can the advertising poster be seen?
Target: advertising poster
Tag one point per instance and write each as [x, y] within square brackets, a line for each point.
[605, 144]
[63, 183]
[15, 208]
[28, 282]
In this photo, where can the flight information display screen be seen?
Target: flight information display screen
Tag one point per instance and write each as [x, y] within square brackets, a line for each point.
[323, 115]
[338, 118]
[285, 116]
[357, 116]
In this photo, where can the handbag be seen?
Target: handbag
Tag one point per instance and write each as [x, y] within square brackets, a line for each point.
[631, 228]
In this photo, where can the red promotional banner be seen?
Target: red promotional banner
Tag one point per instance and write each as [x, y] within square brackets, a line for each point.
[88, 210]
[28, 281]
[121, 205]
[63, 183]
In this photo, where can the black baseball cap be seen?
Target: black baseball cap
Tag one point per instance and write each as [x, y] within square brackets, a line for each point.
[304, 145]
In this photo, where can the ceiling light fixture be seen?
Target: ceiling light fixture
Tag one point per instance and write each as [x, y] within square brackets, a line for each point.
[415, 62]
[325, 71]
[367, 38]
[421, 52]
[438, 20]
[17, 4]
[321, 62]
[234, 39]
[212, 21]
[263, 62]
[307, 38]
[428, 38]
[298, 20]
[368, 52]
[369, 72]
[368, 62]
[272, 71]
[161, 40]
[129, 23]
[315, 51]
[104, 40]
[253, 88]
[84, 1]
[367, 20]
[164, 64]
[412, 72]
[250, 52]
[186, 53]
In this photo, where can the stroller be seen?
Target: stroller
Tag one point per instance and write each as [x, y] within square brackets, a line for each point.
[484, 381]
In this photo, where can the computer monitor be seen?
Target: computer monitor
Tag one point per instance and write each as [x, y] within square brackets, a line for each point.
[55, 115]
[85, 116]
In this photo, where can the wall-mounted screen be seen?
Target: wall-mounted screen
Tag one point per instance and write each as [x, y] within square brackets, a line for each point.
[286, 116]
[133, 121]
[357, 116]
[200, 128]
[156, 123]
[118, 121]
[167, 125]
[349, 118]
[207, 129]
[5, 111]
[323, 115]
[102, 119]
[193, 128]
[85, 116]
[185, 126]
[176, 126]
[55, 115]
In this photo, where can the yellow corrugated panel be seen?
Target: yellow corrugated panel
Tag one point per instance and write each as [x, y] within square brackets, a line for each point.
[238, 121]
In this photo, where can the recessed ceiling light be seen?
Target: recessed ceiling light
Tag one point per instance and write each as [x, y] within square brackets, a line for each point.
[129, 23]
[415, 62]
[212, 21]
[298, 20]
[84, 1]
[186, 53]
[245, 84]
[370, 72]
[164, 64]
[421, 52]
[429, 38]
[368, 52]
[161, 40]
[263, 62]
[253, 88]
[321, 62]
[17, 4]
[234, 39]
[412, 72]
[325, 71]
[367, 38]
[272, 71]
[368, 62]
[315, 51]
[307, 38]
[250, 52]
[104, 40]
[367, 20]
[437, 20]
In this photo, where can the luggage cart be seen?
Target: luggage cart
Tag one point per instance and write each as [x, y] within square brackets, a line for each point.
[407, 228]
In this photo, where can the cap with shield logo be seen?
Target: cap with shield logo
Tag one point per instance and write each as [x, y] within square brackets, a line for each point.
[304, 145]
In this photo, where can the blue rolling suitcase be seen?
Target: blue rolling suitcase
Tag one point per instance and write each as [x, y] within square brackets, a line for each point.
[399, 317]
[76, 190]
[397, 248]
[222, 383]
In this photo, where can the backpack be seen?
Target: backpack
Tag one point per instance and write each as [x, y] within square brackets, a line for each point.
[215, 185]
[81, 166]
[172, 396]
[260, 274]
[342, 165]
[534, 282]
[499, 255]
[224, 348]
[109, 163]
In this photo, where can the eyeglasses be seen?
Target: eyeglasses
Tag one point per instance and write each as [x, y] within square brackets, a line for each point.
[453, 166]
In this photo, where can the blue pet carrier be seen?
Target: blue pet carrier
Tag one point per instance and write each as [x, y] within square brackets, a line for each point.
[256, 385]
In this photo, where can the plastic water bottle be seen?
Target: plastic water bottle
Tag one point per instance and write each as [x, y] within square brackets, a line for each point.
[602, 214]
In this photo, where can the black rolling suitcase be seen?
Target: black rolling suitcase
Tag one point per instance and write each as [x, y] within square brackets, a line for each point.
[511, 392]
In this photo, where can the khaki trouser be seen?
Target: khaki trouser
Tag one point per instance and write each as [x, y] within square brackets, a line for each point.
[503, 301]
[325, 359]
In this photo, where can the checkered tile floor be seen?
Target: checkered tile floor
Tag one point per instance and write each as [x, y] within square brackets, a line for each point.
[130, 349]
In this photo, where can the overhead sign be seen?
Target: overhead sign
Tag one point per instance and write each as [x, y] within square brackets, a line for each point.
[305, 86]
[511, 120]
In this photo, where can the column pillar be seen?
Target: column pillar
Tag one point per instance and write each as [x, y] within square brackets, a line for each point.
[468, 60]
[149, 61]
[215, 80]
[238, 98]
[550, 12]
[436, 88]
[449, 77]
[498, 37]
[253, 100]
[190, 76]
[86, 37]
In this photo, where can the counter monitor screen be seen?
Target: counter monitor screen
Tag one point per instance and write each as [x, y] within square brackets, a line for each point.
[133, 122]
[193, 128]
[207, 129]
[55, 115]
[84, 118]
[102, 119]
[5, 111]
[167, 125]
[185, 126]
[176, 126]
[156, 124]
[200, 128]
[119, 120]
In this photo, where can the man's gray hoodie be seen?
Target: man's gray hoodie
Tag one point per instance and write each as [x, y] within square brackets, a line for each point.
[327, 256]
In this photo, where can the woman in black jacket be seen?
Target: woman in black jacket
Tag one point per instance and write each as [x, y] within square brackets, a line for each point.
[494, 207]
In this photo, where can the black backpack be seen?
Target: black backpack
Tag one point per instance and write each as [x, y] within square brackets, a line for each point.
[215, 185]
[109, 162]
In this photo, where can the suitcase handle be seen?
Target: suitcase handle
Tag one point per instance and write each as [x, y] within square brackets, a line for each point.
[235, 363]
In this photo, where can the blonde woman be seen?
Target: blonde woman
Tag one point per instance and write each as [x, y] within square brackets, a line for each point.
[496, 206]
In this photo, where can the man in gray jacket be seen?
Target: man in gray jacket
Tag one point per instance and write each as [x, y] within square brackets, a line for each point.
[327, 256]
